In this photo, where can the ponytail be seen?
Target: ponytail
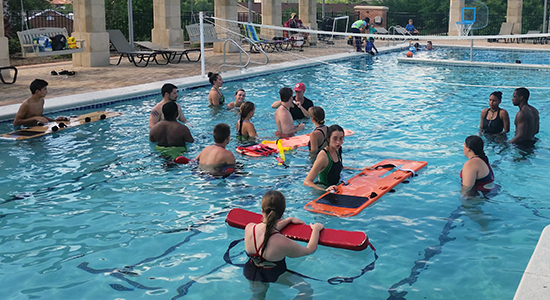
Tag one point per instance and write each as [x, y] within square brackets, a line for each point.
[273, 206]
[246, 108]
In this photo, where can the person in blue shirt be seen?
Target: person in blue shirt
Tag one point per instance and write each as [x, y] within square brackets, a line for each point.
[370, 46]
[410, 27]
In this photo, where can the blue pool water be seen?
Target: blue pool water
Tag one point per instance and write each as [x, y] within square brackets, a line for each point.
[540, 57]
[94, 213]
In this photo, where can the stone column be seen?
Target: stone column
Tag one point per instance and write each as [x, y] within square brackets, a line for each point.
[455, 15]
[89, 25]
[513, 14]
[167, 31]
[272, 15]
[308, 14]
[4, 46]
[225, 9]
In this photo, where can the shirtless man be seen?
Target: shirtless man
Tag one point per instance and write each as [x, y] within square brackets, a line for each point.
[283, 118]
[31, 111]
[527, 118]
[169, 93]
[215, 159]
[169, 132]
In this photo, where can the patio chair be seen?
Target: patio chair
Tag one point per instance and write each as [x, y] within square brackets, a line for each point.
[401, 30]
[256, 42]
[169, 54]
[505, 29]
[136, 57]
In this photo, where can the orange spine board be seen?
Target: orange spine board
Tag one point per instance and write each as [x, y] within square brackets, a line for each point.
[369, 181]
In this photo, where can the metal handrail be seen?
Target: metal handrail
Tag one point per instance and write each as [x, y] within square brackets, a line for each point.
[248, 62]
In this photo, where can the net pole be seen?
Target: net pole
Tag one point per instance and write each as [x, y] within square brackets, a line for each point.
[201, 28]
[471, 46]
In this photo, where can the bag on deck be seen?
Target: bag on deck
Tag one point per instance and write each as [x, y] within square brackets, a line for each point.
[59, 42]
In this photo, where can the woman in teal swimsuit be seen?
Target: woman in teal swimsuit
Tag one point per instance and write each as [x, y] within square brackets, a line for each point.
[267, 248]
[328, 166]
[215, 97]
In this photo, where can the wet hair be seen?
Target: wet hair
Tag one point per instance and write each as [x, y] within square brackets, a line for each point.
[523, 92]
[318, 114]
[273, 206]
[416, 45]
[429, 42]
[497, 94]
[239, 90]
[371, 39]
[212, 77]
[366, 19]
[167, 88]
[332, 129]
[37, 85]
[285, 93]
[246, 108]
[475, 143]
[170, 111]
[221, 132]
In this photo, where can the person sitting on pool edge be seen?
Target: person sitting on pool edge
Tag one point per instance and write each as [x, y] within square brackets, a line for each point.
[170, 135]
[215, 97]
[239, 99]
[215, 159]
[329, 166]
[317, 138]
[527, 119]
[267, 248]
[370, 45]
[476, 174]
[245, 128]
[494, 120]
[300, 105]
[169, 93]
[31, 111]
[283, 117]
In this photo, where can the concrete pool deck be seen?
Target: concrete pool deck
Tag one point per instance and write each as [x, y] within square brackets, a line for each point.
[127, 80]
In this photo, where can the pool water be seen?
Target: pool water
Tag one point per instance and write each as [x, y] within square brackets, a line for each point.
[94, 213]
[540, 57]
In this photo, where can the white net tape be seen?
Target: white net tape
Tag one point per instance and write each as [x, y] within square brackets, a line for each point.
[463, 28]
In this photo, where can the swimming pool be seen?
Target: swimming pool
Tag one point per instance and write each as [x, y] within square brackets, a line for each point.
[484, 54]
[94, 212]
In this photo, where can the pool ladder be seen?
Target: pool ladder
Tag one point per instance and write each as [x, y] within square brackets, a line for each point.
[241, 51]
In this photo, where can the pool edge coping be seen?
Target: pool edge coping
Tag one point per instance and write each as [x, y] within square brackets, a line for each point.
[129, 93]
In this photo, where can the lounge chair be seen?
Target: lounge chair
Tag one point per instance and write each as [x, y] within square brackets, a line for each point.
[401, 30]
[169, 54]
[136, 57]
[505, 29]
[256, 42]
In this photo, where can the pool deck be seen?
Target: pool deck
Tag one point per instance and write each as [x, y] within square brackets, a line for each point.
[125, 80]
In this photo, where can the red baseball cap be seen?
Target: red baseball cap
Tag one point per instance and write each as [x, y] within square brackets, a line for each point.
[300, 87]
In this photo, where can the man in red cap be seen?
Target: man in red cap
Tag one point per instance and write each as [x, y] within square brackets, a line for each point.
[301, 106]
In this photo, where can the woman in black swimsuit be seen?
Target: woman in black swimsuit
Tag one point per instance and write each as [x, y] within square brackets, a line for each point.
[494, 119]
[318, 137]
[267, 248]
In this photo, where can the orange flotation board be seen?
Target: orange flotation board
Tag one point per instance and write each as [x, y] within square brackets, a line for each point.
[365, 188]
[56, 126]
[351, 240]
[296, 141]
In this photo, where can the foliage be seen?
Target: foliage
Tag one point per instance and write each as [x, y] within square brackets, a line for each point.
[14, 45]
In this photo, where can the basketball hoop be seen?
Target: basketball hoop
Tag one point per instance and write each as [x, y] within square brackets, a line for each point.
[464, 27]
